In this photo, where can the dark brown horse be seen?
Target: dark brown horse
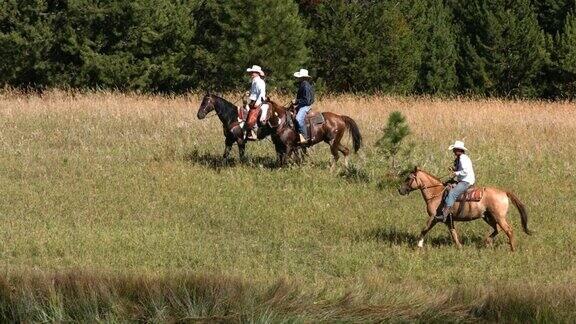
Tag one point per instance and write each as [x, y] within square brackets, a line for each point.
[228, 115]
[492, 207]
[285, 137]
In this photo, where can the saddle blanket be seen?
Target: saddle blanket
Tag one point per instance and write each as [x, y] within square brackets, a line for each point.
[472, 194]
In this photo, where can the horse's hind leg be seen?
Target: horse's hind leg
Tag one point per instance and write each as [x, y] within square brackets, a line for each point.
[335, 148]
[508, 230]
[488, 218]
[344, 151]
[335, 157]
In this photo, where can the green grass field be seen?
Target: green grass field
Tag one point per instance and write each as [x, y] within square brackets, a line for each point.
[112, 190]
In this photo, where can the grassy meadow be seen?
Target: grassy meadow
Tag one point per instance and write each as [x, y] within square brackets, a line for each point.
[116, 207]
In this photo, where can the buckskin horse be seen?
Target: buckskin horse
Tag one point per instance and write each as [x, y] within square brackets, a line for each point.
[324, 127]
[228, 114]
[492, 206]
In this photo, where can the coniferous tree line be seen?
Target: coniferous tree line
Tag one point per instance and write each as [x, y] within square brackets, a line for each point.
[505, 48]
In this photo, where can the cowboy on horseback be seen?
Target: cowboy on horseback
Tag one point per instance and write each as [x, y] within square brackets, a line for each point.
[464, 175]
[257, 101]
[303, 103]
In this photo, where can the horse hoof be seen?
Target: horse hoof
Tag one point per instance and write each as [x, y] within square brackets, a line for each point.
[421, 243]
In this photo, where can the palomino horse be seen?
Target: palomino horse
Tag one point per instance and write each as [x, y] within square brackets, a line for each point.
[492, 208]
[228, 114]
[331, 131]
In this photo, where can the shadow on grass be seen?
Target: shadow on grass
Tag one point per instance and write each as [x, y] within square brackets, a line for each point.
[216, 162]
[398, 237]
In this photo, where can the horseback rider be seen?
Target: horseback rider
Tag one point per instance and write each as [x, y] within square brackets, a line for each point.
[464, 175]
[256, 101]
[303, 103]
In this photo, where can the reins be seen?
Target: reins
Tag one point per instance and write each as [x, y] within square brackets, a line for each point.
[423, 188]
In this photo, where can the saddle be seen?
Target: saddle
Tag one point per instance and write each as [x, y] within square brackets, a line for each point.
[312, 118]
[472, 194]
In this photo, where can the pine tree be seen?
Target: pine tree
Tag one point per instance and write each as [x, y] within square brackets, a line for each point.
[392, 143]
[137, 45]
[351, 56]
[26, 38]
[233, 35]
[565, 60]
[434, 29]
[502, 49]
[552, 14]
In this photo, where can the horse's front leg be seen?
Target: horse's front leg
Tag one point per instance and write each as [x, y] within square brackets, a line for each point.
[429, 224]
[228, 148]
[242, 150]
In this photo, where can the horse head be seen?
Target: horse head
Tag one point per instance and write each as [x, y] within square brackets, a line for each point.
[275, 113]
[411, 183]
[207, 105]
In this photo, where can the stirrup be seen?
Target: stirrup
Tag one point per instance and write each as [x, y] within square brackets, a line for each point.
[441, 217]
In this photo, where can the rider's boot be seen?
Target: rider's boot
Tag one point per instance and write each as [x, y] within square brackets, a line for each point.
[303, 140]
[445, 214]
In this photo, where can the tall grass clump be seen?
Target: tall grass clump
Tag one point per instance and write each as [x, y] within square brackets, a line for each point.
[81, 296]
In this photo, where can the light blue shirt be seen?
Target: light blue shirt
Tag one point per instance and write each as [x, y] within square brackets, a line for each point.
[258, 90]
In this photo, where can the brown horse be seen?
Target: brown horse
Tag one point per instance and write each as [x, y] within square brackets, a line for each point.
[492, 207]
[285, 137]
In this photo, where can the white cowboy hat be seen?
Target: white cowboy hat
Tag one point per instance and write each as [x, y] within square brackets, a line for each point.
[303, 73]
[457, 145]
[255, 68]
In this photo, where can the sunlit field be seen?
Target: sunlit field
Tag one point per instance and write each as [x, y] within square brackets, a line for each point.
[117, 207]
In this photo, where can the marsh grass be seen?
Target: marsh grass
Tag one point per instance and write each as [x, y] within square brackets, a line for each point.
[111, 202]
[79, 296]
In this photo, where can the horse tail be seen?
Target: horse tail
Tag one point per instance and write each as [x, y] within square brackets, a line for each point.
[354, 131]
[522, 209]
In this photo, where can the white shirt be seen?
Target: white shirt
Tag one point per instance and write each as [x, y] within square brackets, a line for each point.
[467, 172]
[258, 90]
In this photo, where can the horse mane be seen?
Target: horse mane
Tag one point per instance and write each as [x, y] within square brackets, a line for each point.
[230, 112]
[431, 176]
[274, 103]
[227, 103]
[276, 107]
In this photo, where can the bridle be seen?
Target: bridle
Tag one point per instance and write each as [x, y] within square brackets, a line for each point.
[210, 104]
[421, 186]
